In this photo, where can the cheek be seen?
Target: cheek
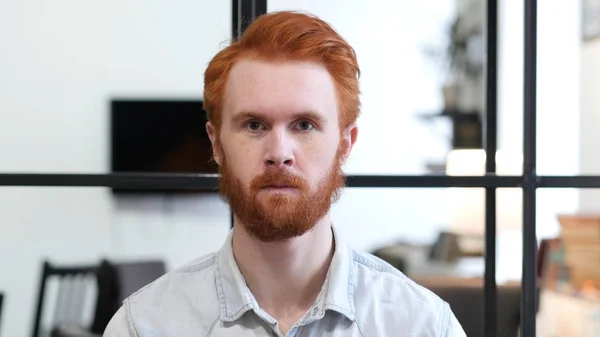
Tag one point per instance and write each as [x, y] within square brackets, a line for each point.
[242, 159]
[319, 155]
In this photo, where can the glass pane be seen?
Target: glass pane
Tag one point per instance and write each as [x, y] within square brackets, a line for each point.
[559, 105]
[590, 105]
[64, 62]
[426, 233]
[561, 108]
[402, 126]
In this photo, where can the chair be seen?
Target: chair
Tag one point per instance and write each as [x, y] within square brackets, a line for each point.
[120, 281]
[72, 293]
[113, 281]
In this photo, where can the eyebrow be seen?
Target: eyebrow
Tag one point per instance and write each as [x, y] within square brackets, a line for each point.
[248, 115]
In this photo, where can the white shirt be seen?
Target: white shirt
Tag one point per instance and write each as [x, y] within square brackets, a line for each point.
[361, 296]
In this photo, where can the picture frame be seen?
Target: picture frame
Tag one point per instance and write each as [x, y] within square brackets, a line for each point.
[590, 19]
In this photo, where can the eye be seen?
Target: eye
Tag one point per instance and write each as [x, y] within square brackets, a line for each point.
[253, 126]
[305, 125]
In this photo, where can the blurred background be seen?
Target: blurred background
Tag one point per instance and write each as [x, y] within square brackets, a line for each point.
[116, 86]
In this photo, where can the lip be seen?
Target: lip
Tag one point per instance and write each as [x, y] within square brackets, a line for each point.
[279, 188]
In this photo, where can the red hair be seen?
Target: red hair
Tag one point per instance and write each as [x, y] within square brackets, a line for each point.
[292, 36]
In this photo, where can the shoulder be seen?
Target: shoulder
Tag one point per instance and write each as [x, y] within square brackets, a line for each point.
[185, 295]
[373, 271]
[194, 275]
[386, 297]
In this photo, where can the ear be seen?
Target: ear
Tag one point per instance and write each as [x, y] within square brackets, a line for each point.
[214, 139]
[349, 136]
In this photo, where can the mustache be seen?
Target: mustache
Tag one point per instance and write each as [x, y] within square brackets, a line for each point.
[278, 178]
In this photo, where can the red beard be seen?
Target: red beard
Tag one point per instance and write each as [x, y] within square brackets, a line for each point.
[284, 217]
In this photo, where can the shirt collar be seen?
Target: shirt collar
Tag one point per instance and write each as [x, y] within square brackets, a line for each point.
[235, 298]
[338, 288]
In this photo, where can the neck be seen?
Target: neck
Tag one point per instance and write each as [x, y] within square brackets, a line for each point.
[285, 277]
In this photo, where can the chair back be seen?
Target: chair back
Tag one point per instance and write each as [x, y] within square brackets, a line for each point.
[113, 283]
[76, 286]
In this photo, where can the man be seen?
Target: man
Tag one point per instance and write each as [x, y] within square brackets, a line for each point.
[282, 104]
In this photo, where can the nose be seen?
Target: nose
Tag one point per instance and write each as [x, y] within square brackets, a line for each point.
[279, 150]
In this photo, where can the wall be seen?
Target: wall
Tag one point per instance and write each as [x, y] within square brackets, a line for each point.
[590, 122]
[557, 98]
[61, 61]
[558, 134]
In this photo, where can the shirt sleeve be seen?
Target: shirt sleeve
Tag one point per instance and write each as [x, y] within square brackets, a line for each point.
[119, 325]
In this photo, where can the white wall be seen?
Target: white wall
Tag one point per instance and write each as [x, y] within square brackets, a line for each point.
[558, 134]
[398, 81]
[590, 122]
[61, 61]
[557, 97]
[558, 138]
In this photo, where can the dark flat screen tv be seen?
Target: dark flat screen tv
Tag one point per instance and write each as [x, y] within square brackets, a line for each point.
[159, 136]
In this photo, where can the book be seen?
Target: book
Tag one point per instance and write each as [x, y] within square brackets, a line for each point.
[572, 260]
[579, 226]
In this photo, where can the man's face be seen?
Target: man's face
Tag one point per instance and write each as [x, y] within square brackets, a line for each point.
[280, 147]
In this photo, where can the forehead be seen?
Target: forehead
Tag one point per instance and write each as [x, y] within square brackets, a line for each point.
[280, 89]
